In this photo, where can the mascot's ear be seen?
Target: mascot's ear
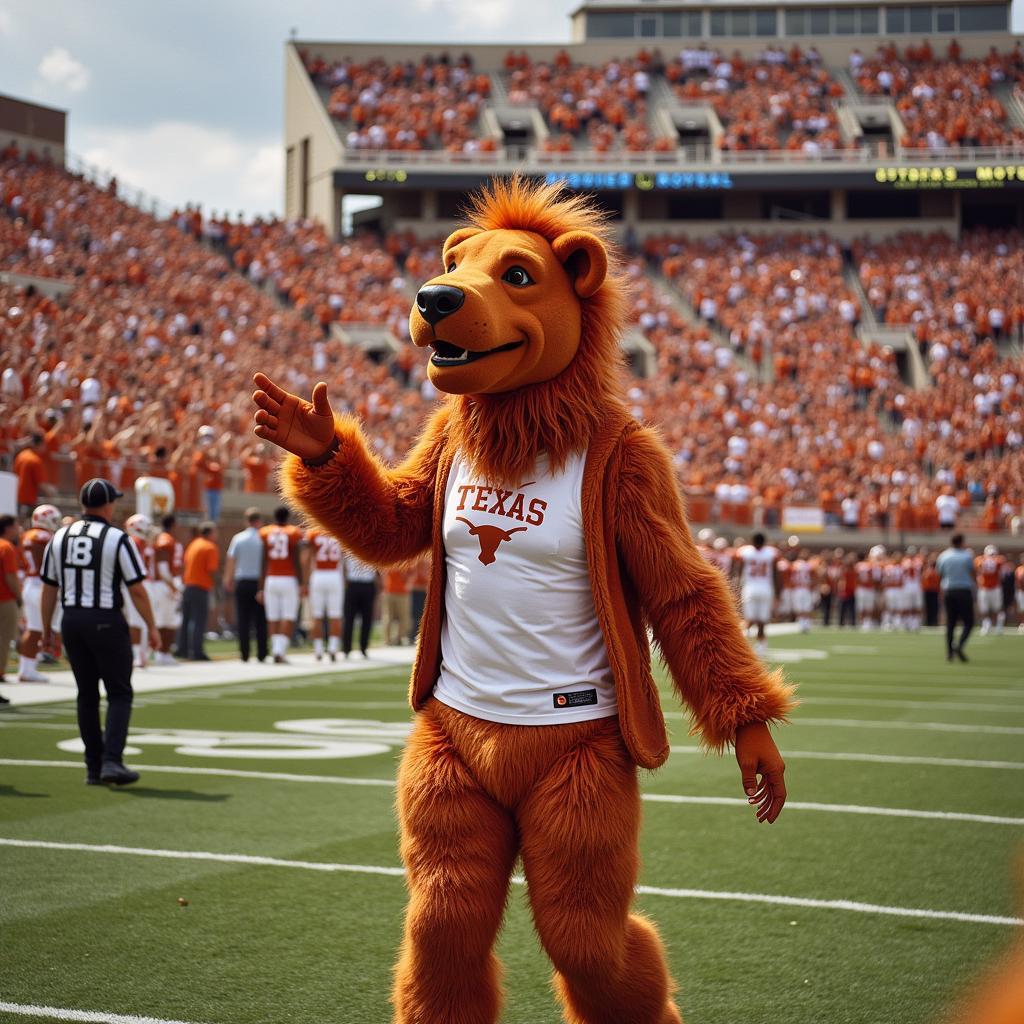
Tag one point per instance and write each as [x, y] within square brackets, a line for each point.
[585, 260]
[453, 240]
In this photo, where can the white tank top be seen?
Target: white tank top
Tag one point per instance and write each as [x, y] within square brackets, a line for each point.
[520, 640]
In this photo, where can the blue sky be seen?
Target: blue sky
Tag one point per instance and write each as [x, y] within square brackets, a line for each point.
[184, 99]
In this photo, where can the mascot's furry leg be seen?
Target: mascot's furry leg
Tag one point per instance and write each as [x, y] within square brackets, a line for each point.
[470, 794]
[458, 846]
[580, 827]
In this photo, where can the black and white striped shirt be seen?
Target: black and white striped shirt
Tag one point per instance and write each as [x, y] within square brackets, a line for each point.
[88, 561]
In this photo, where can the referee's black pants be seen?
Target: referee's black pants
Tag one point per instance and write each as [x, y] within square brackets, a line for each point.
[250, 614]
[98, 646]
[359, 599]
[959, 608]
[195, 608]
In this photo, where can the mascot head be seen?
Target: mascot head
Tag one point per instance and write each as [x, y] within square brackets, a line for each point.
[523, 325]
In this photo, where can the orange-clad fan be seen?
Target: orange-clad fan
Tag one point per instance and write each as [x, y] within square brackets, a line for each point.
[202, 560]
[322, 554]
[395, 605]
[282, 580]
[10, 591]
[988, 567]
[45, 522]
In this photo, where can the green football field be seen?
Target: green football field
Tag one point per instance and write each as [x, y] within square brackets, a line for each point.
[269, 808]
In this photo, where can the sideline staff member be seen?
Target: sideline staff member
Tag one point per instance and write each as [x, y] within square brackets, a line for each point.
[86, 563]
[956, 571]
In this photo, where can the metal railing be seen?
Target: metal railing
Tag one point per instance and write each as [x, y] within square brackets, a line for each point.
[683, 157]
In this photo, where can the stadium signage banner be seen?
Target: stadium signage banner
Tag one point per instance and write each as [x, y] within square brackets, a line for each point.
[983, 176]
[896, 176]
[661, 181]
[803, 518]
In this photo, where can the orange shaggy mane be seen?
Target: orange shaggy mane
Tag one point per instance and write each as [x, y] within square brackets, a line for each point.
[502, 434]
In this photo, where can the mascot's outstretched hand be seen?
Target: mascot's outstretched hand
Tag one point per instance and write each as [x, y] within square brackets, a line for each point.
[757, 755]
[303, 428]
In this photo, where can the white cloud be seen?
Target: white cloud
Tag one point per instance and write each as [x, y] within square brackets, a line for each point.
[182, 162]
[6, 23]
[59, 68]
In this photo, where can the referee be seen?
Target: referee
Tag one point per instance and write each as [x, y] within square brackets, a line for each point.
[86, 563]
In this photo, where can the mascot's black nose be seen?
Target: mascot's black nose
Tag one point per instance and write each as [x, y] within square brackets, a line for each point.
[436, 301]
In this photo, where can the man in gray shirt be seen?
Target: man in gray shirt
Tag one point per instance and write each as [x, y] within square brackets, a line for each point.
[242, 575]
[956, 574]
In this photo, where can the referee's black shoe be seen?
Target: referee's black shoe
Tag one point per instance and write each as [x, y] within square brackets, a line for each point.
[115, 773]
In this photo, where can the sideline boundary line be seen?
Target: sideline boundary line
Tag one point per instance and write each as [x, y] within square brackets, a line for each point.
[658, 798]
[88, 1016]
[641, 890]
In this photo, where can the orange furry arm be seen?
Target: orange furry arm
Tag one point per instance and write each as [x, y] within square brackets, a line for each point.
[381, 515]
[688, 603]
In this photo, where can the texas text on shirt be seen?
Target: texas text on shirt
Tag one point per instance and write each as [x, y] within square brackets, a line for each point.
[504, 541]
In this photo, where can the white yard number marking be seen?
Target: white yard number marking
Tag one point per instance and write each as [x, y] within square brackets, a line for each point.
[277, 542]
[80, 551]
[302, 740]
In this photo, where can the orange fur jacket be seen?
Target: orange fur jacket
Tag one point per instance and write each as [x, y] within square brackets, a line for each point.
[644, 571]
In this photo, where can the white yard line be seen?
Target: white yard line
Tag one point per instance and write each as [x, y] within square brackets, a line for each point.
[643, 890]
[668, 798]
[230, 773]
[874, 723]
[88, 1016]
[831, 685]
[873, 702]
[803, 805]
[938, 762]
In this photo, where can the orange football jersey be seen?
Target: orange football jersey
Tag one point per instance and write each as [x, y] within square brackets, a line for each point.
[33, 544]
[280, 544]
[326, 550]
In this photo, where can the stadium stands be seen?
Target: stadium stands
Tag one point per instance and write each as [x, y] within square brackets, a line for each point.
[944, 103]
[432, 104]
[776, 101]
[765, 385]
[600, 107]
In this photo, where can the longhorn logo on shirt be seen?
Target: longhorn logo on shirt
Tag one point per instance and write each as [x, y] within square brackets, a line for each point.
[490, 537]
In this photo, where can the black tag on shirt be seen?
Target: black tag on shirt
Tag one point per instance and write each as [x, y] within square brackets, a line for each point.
[576, 699]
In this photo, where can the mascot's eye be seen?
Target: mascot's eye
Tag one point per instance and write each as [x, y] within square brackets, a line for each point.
[517, 276]
[451, 268]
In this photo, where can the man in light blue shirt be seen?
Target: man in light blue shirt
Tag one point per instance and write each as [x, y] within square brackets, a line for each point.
[242, 573]
[956, 575]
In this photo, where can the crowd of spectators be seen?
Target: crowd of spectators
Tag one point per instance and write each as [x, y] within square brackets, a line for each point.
[836, 427]
[953, 292]
[144, 365]
[599, 107]
[430, 104]
[943, 103]
[777, 100]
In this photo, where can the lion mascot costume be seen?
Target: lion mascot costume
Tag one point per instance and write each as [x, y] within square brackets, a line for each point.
[558, 539]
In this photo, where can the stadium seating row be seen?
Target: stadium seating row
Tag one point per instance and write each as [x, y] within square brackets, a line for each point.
[776, 100]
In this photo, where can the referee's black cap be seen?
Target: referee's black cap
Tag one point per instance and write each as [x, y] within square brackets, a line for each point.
[98, 492]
